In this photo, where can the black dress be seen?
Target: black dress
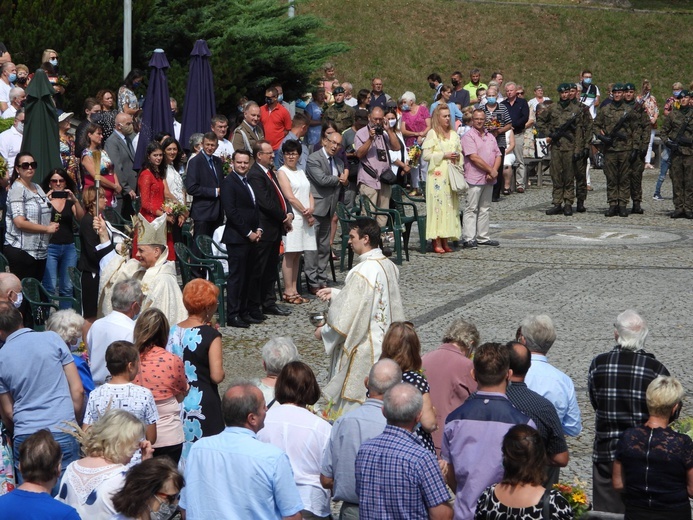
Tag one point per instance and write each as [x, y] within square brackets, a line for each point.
[88, 264]
[419, 381]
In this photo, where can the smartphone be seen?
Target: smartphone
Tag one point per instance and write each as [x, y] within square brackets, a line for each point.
[59, 195]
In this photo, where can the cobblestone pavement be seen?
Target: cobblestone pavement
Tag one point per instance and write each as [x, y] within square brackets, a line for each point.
[582, 270]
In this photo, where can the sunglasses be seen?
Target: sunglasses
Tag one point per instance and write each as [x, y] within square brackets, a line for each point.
[171, 499]
[58, 181]
[26, 165]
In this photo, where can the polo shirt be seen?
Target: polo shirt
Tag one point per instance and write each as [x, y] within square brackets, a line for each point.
[485, 146]
[397, 478]
[381, 142]
[519, 113]
[460, 97]
[557, 387]
[235, 476]
[349, 432]
[35, 506]
[276, 123]
[472, 88]
[472, 442]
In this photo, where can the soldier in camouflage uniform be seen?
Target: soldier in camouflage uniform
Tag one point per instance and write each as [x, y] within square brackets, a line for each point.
[677, 133]
[639, 139]
[584, 134]
[339, 113]
[612, 128]
[559, 122]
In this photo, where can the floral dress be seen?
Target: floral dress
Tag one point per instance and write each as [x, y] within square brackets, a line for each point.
[442, 204]
[489, 507]
[67, 157]
[202, 415]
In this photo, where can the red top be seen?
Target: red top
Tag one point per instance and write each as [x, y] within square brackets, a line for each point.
[276, 124]
[151, 190]
[161, 372]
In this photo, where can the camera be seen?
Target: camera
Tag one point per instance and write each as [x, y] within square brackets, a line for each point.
[379, 130]
[59, 195]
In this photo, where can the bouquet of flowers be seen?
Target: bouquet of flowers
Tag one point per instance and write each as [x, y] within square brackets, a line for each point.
[328, 413]
[414, 154]
[226, 164]
[3, 168]
[174, 208]
[575, 495]
[62, 81]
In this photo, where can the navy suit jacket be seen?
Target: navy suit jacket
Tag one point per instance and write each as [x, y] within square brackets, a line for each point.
[242, 214]
[201, 183]
[272, 215]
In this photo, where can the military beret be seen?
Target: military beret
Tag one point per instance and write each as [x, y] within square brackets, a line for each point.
[629, 86]
[338, 90]
[573, 86]
[686, 93]
[563, 87]
[618, 87]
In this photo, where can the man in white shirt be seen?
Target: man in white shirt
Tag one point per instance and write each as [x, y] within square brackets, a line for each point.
[8, 75]
[220, 126]
[11, 139]
[118, 325]
[17, 97]
[176, 124]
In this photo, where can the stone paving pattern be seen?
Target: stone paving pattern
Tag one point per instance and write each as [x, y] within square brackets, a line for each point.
[581, 270]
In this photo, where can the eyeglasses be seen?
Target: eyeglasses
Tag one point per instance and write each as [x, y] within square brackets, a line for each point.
[58, 181]
[171, 499]
[335, 143]
[291, 154]
[26, 165]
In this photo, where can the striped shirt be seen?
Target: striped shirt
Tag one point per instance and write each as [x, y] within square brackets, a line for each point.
[22, 202]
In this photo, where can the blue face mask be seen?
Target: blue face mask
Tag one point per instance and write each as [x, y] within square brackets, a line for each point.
[676, 93]
[490, 100]
[53, 62]
[406, 108]
[280, 98]
[135, 85]
[12, 77]
[587, 81]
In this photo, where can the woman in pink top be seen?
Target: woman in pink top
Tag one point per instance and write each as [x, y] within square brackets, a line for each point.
[416, 122]
[164, 374]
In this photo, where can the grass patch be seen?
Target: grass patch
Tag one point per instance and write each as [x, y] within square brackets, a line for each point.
[403, 41]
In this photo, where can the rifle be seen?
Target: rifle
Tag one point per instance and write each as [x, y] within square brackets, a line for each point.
[562, 131]
[615, 133]
[675, 144]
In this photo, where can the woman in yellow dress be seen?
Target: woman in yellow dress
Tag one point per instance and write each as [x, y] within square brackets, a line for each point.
[442, 146]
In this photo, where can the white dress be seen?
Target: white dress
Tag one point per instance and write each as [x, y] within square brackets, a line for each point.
[302, 236]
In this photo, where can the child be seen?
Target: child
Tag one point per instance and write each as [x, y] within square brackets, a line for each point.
[123, 363]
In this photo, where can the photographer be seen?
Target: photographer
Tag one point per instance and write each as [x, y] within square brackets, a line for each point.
[373, 144]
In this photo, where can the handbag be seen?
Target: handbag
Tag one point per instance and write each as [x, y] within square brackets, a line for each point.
[386, 177]
[457, 181]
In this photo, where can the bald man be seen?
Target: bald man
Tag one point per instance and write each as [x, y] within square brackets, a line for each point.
[120, 149]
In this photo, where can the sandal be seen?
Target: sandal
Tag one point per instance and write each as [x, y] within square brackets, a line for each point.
[295, 299]
[506, 192]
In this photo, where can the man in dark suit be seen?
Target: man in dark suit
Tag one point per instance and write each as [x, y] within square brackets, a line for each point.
[326, 173]
[275, 220]
[203, 182]
[119, 148]
[241, 236]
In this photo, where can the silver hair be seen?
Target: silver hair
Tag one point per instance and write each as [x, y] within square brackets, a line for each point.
[236, 409]
[15, 92]
[67, 324]
[510, 84]
[277, 352]
[464, 334]
[249, 105]
[348, 86]
[125, 293]
[539, 332]
[409, 96]
[402, 404]
[631, 329]
[195, 140]
[384, 374]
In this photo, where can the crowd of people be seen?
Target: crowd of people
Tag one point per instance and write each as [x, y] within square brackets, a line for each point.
[470, 430]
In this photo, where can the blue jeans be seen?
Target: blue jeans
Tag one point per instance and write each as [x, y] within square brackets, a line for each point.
[68, 445]
[663, 168]
[60, 257]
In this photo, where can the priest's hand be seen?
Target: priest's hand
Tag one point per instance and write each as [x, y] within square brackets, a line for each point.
[318, 333]
[324, 294]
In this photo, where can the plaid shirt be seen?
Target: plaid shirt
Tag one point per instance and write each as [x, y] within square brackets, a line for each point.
[617, 382]
[397, 478]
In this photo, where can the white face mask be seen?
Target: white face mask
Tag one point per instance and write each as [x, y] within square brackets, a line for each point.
[392, 122]
[20, 128]
[18, 302]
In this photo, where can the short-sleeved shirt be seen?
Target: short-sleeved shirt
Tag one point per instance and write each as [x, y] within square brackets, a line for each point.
[127, 98]
[31, 371]
[617, 382]
[485, 146]
[498, 117]
[35, 506]
[163, 373]
[22, 202]
[315, 113]
[397, 478]
[276, 123]
[256, 478]
[135, 399]
[488, 506]
[380, 142]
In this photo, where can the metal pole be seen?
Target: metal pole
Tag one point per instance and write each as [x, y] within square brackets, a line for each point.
[127, 36]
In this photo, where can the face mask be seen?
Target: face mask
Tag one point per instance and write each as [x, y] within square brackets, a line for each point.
[12, 78]
[20, 128]
[454, 82]
[490, 100]
[126, 130]
[53, 62]
[268, 100]
[406, 108]
[432, 85]
[165, 511]
[676, 93]
[280, 98]
[587, 81]
[18, 302]
[135, 85]
[392, 122]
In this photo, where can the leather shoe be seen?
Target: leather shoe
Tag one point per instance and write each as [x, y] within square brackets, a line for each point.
[253, 319]
[236, 321]
[637, 209]
[679, 213]
[276, 311]
[612, 212]
[556, 210]
[580, 206]
[622, 211]
[568, 210]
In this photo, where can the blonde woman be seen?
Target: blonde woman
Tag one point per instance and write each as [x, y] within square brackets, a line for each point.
[440, 149]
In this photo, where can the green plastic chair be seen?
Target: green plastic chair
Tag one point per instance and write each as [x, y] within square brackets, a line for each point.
[393, 225]
[409, 214]
[4, 264]
[345, 219]
[189, 264]
[76, 279]
[41, 302]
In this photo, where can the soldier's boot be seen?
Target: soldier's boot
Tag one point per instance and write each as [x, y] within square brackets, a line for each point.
[556, 210]
[580, 206]
[678, 213]
[612, 211]
[636, 208]
[622, 211]
[568, 210]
